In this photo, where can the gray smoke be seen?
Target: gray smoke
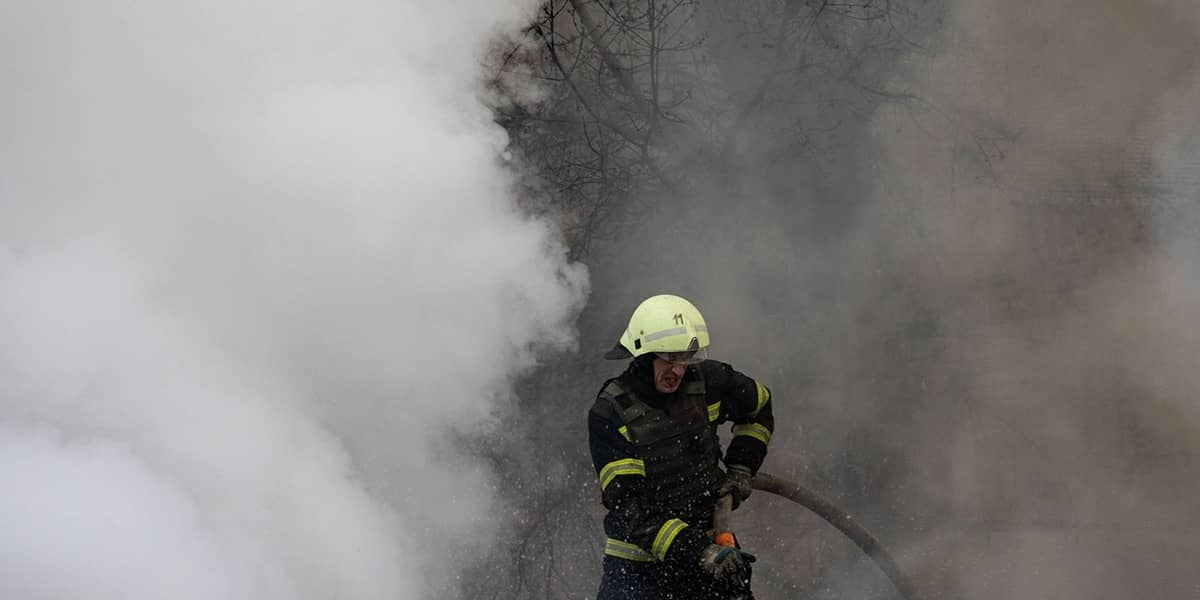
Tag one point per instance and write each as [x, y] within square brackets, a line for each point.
[257, 262]
[1044, 202]
[974, 316]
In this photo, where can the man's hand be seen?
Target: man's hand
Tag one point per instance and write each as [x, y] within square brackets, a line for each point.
[724, 563]
[736, 484]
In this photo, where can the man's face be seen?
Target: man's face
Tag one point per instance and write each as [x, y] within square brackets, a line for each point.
[667, 375]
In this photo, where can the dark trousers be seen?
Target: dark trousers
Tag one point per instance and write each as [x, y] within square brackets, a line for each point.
[632, 580]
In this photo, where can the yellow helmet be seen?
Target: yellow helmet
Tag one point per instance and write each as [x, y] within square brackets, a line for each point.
[666, 325]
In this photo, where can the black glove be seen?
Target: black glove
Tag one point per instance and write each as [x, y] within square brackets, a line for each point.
[724, 563]
[736, 484]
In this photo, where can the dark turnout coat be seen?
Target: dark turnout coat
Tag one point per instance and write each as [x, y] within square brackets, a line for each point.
[657, 457]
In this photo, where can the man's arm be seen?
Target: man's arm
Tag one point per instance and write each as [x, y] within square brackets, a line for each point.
[747, 403]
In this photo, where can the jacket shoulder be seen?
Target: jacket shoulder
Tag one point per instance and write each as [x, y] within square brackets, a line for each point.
[716, 372]
[603, 405]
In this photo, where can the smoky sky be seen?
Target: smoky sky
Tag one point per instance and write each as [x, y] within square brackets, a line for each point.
[973, 299]
[257, 261]
[1037, 206]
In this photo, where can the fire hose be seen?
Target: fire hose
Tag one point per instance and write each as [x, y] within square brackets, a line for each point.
[723, 523]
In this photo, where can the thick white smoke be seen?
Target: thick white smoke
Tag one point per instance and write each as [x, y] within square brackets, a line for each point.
[257, 261]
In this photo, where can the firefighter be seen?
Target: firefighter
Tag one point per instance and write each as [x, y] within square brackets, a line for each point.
[654, 444]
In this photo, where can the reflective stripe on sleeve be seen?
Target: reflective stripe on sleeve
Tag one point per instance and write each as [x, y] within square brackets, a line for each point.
[666, 535]
[624, 466]
[714, 412]
[627, 551]
[754, 430]
[764, 396]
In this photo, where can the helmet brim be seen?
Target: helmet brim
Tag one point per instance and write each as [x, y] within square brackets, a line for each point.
[618, 352]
